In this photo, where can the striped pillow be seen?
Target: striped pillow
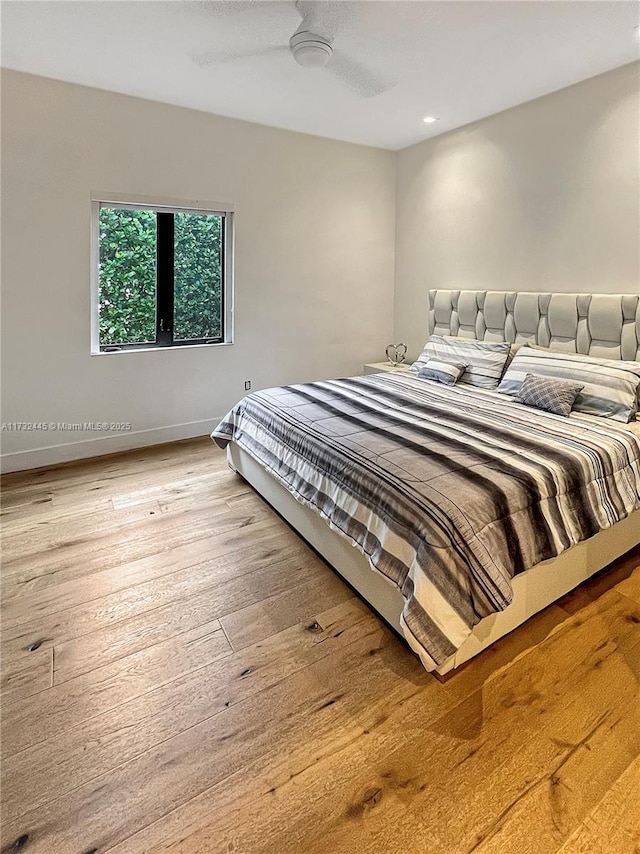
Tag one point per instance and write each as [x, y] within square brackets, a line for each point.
[485, 359]
[610, 388]
[442, 371]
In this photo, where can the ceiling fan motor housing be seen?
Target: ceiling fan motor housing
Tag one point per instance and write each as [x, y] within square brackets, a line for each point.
[310, 50]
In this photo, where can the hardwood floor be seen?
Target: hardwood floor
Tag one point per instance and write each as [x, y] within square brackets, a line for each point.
[181, 673]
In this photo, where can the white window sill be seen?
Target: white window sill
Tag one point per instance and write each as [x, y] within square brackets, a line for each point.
[160, 349]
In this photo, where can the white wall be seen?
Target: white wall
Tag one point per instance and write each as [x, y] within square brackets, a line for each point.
[544, 196]
[541, 197]
[315, 223]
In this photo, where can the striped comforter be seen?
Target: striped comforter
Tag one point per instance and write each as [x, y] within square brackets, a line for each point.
[449, 491]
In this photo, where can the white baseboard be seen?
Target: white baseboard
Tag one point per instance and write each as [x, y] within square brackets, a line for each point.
[21, 460]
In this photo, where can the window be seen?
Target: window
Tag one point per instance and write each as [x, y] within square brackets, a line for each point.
[163, 276]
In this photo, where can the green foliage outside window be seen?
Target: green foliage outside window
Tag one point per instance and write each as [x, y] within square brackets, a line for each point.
[197, 275]
[127, 276]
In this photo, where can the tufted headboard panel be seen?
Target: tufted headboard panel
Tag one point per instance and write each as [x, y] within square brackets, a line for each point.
[591, 324]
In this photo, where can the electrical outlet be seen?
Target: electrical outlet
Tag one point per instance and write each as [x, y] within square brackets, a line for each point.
[247, 385]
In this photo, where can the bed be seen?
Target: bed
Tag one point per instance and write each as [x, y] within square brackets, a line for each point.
[469, 511]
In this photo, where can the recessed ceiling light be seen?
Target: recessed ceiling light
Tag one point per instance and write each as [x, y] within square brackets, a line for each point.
[429, 120]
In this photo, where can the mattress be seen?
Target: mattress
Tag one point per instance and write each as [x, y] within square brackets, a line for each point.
[449, 491]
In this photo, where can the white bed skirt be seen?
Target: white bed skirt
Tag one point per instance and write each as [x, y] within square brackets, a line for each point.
[532, 591]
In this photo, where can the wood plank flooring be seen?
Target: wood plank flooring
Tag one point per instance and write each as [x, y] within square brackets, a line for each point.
[181, 673]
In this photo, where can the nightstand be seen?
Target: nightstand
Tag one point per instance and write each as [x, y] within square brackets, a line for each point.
[379, 367]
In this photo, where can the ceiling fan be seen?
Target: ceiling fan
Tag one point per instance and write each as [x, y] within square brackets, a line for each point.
[311, 45]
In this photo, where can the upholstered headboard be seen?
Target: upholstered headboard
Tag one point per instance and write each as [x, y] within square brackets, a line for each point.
[591, 324]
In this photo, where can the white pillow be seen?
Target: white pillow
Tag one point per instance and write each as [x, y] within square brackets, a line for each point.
[610, 387]
[485, 359]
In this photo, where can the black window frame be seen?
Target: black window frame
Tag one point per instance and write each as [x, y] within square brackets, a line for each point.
[165, 278]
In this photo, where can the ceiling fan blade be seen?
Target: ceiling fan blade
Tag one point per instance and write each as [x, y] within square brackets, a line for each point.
[358, 78]
[216, 56]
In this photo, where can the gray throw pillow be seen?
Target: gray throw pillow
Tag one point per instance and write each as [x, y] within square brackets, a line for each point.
[550, 394]
[442, 371]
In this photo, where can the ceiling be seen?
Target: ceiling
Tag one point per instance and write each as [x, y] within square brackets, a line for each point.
[459, 60]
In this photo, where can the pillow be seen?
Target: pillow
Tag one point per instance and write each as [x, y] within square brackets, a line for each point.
[485, 359]
[442, 371]
[610, 387]
[513, 348]
[548, 393]
[512, 352]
